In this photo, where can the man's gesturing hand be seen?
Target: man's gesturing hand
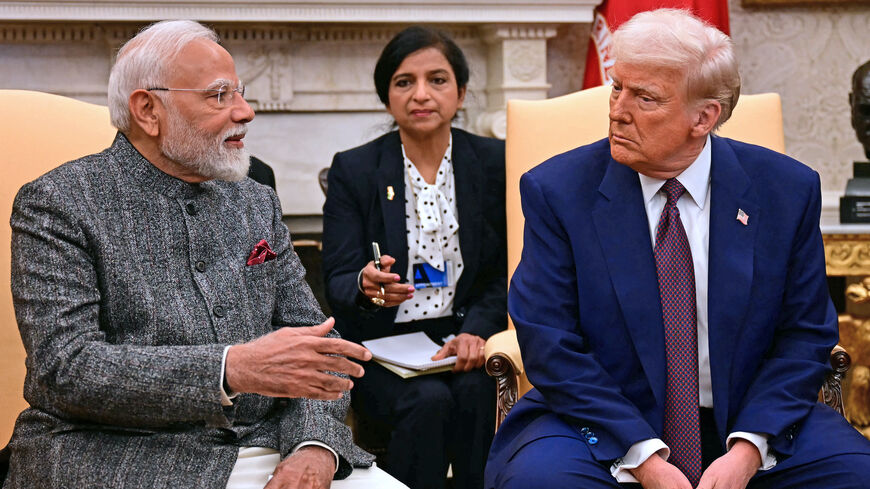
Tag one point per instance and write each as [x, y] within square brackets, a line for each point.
[292, 362]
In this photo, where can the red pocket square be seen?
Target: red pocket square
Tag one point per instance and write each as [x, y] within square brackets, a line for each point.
[261, 253]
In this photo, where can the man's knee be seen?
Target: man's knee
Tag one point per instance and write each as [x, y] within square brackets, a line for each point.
[851, 469]
[537, 476]
[843, 471]
[553, 462]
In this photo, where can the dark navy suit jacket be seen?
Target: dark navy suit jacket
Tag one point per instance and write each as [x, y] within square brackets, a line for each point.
[586, 306]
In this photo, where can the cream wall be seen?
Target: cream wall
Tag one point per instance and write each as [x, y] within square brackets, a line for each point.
[807, 54]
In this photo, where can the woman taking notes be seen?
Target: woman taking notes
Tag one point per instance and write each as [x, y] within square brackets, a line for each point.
[432, 197]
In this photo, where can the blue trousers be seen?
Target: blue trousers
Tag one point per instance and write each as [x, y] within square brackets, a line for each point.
[538, 465]
[837, 458]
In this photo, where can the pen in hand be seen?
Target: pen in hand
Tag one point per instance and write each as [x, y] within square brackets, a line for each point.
[376, 252]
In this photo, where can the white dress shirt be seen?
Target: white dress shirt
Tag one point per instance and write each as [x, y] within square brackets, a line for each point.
[694, 207]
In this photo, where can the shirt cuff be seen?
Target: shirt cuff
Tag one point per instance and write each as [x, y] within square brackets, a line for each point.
[317, 444]
[226, 397]
[768, 460]
[637, 454]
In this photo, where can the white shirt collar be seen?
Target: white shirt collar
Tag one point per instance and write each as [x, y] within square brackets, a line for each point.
[695, 179]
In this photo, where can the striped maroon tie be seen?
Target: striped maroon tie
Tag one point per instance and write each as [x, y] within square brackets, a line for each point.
[682, 431]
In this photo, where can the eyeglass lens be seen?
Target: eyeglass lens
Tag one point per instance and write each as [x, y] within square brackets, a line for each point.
[225, 93]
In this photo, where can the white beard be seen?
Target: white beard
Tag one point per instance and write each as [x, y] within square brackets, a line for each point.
[203, 153]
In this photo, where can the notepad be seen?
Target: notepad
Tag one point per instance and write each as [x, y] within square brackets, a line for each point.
[412, 351]
[407, 373]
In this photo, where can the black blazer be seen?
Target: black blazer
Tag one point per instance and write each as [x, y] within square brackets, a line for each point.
[357, 212]
[262, 173]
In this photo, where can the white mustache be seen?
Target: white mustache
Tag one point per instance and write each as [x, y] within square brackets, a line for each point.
[241, 130]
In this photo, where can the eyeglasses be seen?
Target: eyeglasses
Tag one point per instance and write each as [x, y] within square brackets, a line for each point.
[223, 94]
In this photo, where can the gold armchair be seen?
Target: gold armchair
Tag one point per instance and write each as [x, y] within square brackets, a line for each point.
[44, 131]
[538, 130]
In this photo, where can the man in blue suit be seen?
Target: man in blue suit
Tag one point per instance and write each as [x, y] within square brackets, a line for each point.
[671, 302]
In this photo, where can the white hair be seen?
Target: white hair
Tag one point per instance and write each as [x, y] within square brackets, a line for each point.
[676, 39]
[144, 62]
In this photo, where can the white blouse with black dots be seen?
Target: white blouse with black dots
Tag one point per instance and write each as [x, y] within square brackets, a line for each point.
[432, 228]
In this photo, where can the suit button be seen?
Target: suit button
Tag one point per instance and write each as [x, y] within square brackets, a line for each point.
[593, 441]
[584, 430]
[589, 435]
[219, 311]
[789, 436]
[200, 266]
[191, 209]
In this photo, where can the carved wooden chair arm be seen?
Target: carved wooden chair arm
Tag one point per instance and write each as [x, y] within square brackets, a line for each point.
[503, 361]
[832, 389]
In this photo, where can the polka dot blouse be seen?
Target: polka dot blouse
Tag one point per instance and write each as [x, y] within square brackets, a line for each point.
[432, 228]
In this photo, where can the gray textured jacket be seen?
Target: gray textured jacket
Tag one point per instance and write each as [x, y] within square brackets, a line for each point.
[127, 285]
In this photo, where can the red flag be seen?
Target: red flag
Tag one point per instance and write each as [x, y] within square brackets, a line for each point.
[612, 13]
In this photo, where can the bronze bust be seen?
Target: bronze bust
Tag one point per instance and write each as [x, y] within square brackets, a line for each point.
[859, 99]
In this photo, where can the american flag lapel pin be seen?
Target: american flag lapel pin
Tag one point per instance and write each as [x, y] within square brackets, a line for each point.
[390, 192]
[742, 217]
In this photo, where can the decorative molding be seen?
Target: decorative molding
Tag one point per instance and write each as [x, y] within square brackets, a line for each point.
[524, 61]
[491, 123]
[517, 68]
[847, 254]
[314, 33]
[31, 33]
[270, 70]
[264, 59]
[445, 11]
[497, 33]
[50, 33]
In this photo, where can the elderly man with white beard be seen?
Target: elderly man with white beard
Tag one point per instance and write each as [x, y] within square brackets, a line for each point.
[171, 338]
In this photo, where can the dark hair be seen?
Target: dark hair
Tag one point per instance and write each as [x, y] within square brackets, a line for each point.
[410, 40]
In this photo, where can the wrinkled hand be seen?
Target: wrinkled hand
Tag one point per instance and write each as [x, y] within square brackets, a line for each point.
[656, 473]
[292, 362]
[394, 292]
[734, 469]
[311, 467]
[468, 349]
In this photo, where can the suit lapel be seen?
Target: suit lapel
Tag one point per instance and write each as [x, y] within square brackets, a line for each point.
[623, 231]
[730, 260]
[391, 174]
[467, 177]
